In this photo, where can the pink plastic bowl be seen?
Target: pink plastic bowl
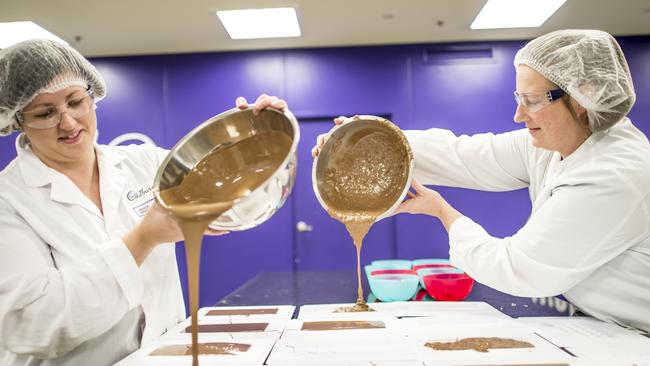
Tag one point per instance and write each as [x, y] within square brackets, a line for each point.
[448, 286]
[431, 265]
[392, 271]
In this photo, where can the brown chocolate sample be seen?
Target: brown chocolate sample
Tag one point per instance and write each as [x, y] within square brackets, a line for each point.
[229, 328]
[219, 312]
[212, 348]
[479, 344]
[343, 325]
[209, 189]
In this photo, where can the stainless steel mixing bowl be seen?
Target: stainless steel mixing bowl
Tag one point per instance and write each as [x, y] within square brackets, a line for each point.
[335, 136]
[223, 130]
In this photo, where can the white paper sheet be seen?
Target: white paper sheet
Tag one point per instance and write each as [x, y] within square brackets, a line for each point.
[542, 350]
[441, 309]
[255, 355]
[380, 327]
[273, 328]
[342, 350]
[274, 312]
[591, 339]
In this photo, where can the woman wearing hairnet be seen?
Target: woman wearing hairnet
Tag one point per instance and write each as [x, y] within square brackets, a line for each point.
[587, 168]
[84, 278]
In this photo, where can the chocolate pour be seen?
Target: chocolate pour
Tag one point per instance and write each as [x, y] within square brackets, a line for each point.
[209, 190]
[365, 175]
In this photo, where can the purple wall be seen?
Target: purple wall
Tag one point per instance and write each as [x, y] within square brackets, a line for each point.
[463, 87]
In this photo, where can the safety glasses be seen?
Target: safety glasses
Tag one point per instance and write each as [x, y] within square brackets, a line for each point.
[534, 102]
[76, 106]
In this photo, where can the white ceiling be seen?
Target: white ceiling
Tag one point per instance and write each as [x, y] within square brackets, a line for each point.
[137, 27]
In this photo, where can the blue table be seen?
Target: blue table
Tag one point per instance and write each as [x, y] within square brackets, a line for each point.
[330, 287]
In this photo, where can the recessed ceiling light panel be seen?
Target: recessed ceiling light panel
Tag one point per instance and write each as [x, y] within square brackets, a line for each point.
[260, 23]
[15, 32]
[515, 13]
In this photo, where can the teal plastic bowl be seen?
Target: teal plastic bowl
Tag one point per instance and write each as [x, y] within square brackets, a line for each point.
[421, 261]
[387, 264]
[392, 264]
[427, 271]
[393, 287]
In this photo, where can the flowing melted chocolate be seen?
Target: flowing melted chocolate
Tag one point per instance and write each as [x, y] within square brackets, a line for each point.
[229, 328]
[209, 189]
[365, 175]
[343, 325]
[479, 344]
[213, 348]
[219, 312]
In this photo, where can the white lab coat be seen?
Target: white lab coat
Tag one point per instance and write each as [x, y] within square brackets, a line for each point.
[70, 291]
[588, 236]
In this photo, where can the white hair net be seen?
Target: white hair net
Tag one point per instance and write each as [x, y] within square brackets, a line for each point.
[589, 66]
[33, 67]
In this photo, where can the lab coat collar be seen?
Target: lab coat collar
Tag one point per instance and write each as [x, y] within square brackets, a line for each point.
[582, 150]
[36, 174]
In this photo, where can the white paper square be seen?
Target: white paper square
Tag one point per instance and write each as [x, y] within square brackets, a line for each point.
[266, 312]
[342, 349]
[542, 350]
[272, 328]
[255, 355]
[380, 327]
[322, 311]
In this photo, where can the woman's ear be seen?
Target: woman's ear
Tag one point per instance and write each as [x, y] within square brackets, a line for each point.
[579, 112]
[578, 108]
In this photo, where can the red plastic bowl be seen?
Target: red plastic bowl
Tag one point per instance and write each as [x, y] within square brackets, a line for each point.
[392, 271]
[448, 286]
[431, 265]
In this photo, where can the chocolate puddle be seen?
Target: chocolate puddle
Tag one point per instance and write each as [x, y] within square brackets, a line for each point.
[212, 348]
[365, 175]
[224, 312]
[229, 328]
[209, 189]
[479, 344]
[342, 325]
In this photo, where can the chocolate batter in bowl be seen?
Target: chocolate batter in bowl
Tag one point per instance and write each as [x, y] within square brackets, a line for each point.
[232, 172]
[361, 175]
[227, 129]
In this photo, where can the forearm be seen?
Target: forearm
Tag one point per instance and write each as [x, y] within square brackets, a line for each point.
[137, 243]
[448, 214]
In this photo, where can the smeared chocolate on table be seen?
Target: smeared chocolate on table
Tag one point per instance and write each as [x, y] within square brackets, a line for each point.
[229, 328]
[211, 348]
[343, 325]
[225, 312]
[479, 344]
